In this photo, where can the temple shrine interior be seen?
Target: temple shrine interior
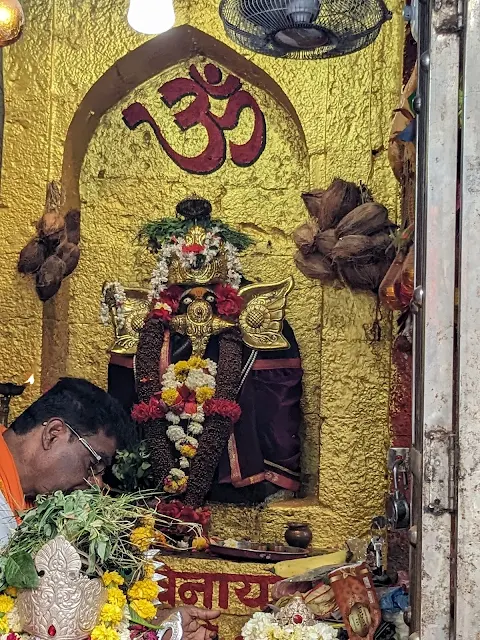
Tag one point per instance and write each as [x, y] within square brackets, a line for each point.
[210, 216]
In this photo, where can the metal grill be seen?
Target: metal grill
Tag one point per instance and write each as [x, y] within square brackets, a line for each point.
[303, 29]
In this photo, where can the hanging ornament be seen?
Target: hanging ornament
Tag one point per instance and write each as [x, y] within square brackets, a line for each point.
[12, 20]
[151, 17]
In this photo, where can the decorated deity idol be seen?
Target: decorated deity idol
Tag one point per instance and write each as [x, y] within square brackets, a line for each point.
[208, 365]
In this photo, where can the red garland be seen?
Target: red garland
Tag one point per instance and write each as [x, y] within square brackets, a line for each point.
[229, 303]
[170, 296]
[224, 408]
[156, 409]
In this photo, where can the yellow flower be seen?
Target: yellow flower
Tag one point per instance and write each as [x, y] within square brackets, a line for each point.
[111, 613]
[142, 537]
[171, 486]
[143, 590]
[149, 522]
[200, 544]
[149, 569]
[160, 539]
[188, 451]
[169, 396]
[143, 608]
[6, 604]
[196, 362]
[102, 632]
[182, 483]
[4, 625]
[204, 393]
[116, 597]
[181, 368]
[11, 591]
[112, 577]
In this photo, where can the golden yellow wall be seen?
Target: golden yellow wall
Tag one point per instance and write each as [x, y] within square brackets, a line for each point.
[345, 108]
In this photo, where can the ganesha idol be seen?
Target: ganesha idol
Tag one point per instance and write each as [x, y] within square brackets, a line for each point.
[208, 365]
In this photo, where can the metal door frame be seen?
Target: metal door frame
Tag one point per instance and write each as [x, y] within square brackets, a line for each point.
[435, 260]
[467, 604]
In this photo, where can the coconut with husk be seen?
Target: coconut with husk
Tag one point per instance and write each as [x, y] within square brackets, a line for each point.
[366, 219]
[370, 247]
[31, 257]
[315, 266]
[49, 277]
[51, 226]
[70, 254]
[304, 237]
[363, 275]
[328, 207]
[325, 242]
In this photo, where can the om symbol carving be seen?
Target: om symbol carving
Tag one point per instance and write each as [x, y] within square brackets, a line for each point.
[198, 113]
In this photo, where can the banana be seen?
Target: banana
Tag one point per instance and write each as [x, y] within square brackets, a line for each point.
[292, 568]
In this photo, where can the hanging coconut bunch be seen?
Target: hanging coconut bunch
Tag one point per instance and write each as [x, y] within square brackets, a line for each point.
[348, 237]
[54, 253]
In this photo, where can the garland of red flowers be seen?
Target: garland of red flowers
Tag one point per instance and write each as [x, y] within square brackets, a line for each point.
[225, 408]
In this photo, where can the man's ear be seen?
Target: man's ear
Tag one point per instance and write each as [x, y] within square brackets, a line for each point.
[52, 431]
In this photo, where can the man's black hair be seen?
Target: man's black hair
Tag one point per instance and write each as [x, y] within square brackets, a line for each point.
[85, 407]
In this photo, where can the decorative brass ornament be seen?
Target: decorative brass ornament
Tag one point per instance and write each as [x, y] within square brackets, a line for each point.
[12, 21]
[214, 272]
[260, 322]
[128, 334]
[199, 323]
[65, 599]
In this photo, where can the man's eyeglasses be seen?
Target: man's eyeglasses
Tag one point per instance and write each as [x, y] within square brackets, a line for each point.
[99, 465]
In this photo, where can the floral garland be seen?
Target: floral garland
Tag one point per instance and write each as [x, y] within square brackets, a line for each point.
[113, 295]
[193, 256]
[263, 626]
[186, 385]
[140, 599]
[185, 400]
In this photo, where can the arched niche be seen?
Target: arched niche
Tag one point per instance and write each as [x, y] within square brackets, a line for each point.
[137, 67]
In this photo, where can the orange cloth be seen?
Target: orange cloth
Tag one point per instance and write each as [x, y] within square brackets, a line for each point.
[9, 479]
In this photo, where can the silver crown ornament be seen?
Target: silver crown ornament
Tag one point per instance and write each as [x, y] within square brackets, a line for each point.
[66, 604]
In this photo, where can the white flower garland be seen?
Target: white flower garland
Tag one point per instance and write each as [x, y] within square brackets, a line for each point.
[174, 248]
[263, 626]
[120, 297]
[197, 374]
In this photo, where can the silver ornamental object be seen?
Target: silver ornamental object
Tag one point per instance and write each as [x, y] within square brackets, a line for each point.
[294, 613]
[66, 604]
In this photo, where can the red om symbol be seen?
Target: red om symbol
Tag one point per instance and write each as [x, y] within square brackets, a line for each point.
[198, 113]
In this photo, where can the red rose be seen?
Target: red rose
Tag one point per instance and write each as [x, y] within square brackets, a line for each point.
[192, 248]
[229, 303]
[141, 412]
[171, 296]
[161, 314]
[225, 408]
[157, 408]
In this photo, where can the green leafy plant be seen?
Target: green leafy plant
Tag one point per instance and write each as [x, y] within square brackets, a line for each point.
[97, 524]
[133, 469]
[155, 232]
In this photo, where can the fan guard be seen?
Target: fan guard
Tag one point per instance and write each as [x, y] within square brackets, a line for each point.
[304, 29]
